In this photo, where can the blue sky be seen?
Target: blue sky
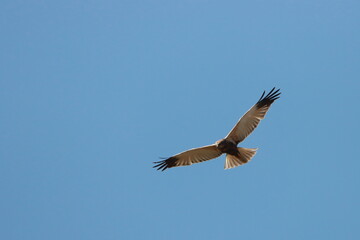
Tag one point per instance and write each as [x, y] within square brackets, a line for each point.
[92, 92]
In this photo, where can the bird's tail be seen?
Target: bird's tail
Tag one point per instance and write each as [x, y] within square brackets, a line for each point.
[244, 156]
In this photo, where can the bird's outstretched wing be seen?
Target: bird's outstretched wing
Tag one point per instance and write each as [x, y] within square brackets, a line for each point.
[189, 157]
[251, 119]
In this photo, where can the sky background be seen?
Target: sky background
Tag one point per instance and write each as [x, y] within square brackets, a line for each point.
[92, 92]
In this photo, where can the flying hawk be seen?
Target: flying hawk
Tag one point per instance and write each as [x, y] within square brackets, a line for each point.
[235, 156]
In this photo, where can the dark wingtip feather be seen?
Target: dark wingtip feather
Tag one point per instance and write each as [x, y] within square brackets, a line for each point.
[261, 96]
[165, 164]
[269, 98]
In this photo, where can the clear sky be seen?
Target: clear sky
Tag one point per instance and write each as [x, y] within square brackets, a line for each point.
[92, 92]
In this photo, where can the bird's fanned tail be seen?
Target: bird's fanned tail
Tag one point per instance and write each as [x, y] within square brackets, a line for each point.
[244, 156]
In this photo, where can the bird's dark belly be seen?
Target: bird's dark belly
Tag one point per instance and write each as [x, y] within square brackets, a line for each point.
[228, 147]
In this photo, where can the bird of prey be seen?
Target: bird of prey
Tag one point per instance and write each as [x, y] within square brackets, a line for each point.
[235, 156]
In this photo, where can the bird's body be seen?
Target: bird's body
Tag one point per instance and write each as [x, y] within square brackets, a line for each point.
[235, 156]
[226, 146]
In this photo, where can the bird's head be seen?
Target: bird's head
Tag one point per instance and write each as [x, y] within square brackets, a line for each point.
[220, 143]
